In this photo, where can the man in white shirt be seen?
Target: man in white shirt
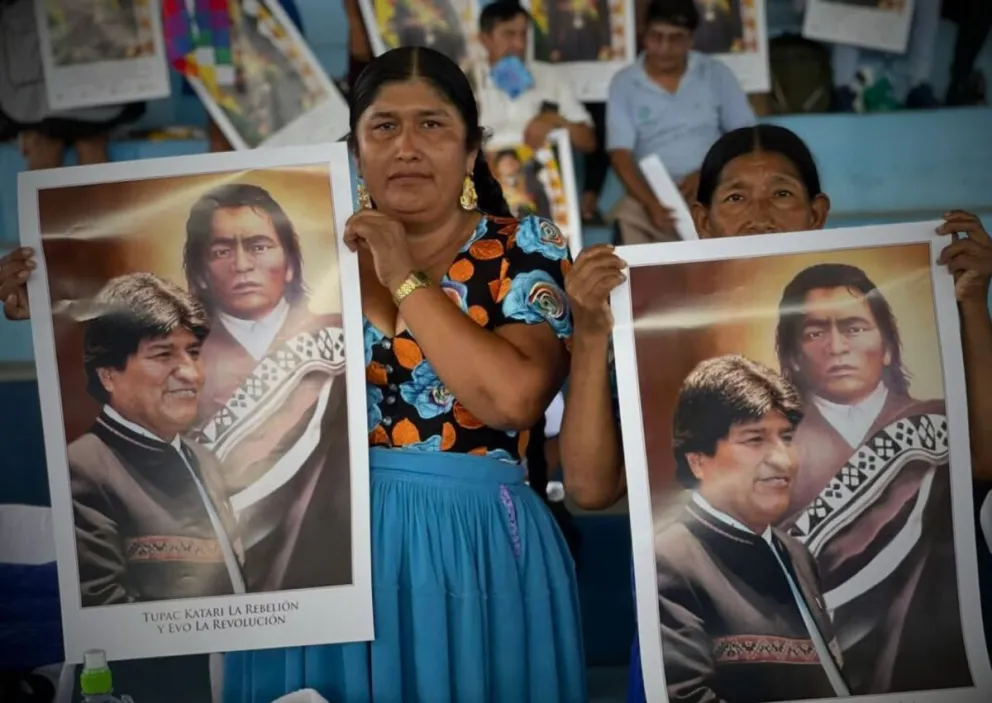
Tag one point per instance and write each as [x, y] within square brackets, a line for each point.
[520, 101]
[872, 497]
[151, 512]
[273, 407]
[740, 602]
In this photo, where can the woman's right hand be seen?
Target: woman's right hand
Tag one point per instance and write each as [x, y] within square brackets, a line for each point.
[15, 268]
[597, 271]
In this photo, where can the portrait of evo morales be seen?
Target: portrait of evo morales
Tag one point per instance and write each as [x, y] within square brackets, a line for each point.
[817, 529]
[218, 462]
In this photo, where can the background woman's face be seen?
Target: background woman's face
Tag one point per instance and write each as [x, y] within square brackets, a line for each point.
[411, 146]
[760, 193]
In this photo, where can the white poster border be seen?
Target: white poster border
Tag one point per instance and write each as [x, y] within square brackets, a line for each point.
[324, 615]
[635, 455]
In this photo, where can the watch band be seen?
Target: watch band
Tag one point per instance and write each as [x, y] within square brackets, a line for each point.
[414, 281]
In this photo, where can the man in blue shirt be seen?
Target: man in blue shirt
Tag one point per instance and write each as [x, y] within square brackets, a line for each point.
[674, 103]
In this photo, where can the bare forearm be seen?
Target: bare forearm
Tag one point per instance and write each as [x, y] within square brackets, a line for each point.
[589, 441]
[632, 178]
[582, 136]
[492, 378]
[976, 338]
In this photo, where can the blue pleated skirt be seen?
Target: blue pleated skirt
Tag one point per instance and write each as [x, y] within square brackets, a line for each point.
[474, 595]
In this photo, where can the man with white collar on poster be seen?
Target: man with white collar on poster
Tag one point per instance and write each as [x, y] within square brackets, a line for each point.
[872, 500]
[152, 519]
[521, 101]
[742, 616]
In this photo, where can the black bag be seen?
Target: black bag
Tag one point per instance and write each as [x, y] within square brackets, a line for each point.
[802, 76]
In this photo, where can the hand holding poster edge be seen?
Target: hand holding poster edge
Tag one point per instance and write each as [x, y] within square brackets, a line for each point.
[668, 194]
[326, 614]
[643, 528]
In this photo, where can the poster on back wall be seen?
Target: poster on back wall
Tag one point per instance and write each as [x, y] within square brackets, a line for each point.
[281, 95]
[198, 340]
[540, 182]
[448, 26]
[101, 52]
[872, 24]
[799, 471]
[590, 40]
[736, 32]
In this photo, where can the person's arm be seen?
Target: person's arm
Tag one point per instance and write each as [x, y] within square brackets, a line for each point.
[687, 648]
[629, 173]
[735, 110]
[970, 260]
[589, 440]
[15, 268]
[99, 549]
[508, 377]
[577, 119]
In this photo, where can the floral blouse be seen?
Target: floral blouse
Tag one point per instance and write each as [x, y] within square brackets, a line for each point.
[510, 271]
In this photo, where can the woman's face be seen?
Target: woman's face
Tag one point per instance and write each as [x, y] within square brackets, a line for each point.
[411, 151]
[760, 193]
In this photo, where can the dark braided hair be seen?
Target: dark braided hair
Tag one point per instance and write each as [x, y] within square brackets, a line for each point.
[415, 62]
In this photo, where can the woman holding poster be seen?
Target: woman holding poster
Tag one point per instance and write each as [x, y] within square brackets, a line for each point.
[474, 587]
[764, 180]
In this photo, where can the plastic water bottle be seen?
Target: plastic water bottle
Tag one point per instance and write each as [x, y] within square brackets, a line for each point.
[96, 681]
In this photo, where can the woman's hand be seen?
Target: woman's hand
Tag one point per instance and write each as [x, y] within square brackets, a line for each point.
[597, 271]
[15, 268]
[969, 258]
[385, 238]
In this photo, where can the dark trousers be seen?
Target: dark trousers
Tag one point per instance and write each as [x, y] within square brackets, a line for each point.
[974, 20]
[597, 163]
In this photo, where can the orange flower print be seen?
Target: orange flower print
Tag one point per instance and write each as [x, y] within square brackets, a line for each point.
[461, 271]
[408, 352]
[486, 249]
[466, 419]
[479, 314]
[448, 436]
[378, 436]
[404, 433]
[375, 373]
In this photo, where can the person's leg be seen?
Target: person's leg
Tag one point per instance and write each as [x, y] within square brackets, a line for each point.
[920, 54]
[216, 139]
[597, 164]
[41, 151]
[844, 60]
[92, 150]
[635, 224]
[966, 85]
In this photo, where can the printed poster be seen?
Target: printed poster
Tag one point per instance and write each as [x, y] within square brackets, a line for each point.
[736, 32]
[448, 26]
[590, 39]
[540, 182]
[281, 95]
[872, 24]
[798, 469]
[101, 52]
[198, 340]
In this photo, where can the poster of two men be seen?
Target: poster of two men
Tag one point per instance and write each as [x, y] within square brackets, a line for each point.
[798, 470]
[205, 438]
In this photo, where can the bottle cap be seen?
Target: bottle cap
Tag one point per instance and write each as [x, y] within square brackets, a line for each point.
[96, 678]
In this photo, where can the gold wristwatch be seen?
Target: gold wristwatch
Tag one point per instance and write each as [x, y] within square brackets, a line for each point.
[414, 281]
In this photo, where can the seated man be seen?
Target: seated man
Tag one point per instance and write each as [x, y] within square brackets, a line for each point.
[522, 103]
[673, 103]
[742, 616]
[152, 518]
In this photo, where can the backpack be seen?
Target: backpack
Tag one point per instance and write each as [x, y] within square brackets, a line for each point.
[801, 75]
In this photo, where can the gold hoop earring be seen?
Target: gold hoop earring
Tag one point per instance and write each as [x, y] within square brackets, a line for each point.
[364, 198]
[469, 199]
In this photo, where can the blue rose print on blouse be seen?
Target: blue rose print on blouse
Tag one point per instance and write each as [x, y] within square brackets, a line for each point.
[537, 236]
[431, 444]
[534, 297]
[372, 337]
[373, 399]
[425, 392]
[502, 455]
[458, 292]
